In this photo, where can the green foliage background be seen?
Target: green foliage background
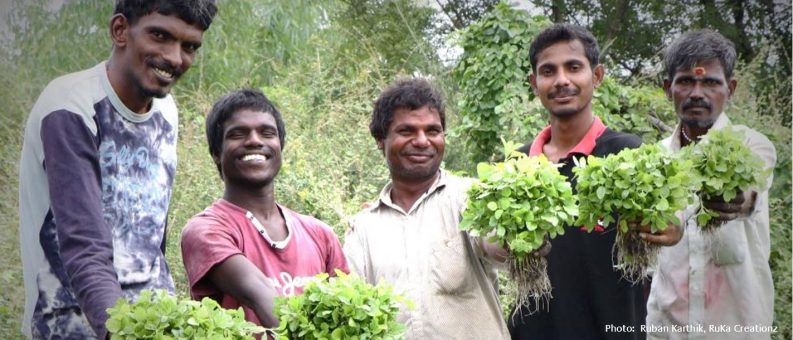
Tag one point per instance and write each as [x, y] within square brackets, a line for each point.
[323, 63]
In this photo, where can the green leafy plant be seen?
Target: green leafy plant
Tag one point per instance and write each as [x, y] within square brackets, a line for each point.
[159, 315]
[341, 307]
[518, 203]
[647, 185]
[726, 168]
[493, 75]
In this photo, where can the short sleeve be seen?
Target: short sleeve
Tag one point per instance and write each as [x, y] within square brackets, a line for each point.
[335, 256]
[354, 250]
[206, 242]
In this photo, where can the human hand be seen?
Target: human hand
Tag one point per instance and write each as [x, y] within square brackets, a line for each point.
[740, 206]
[501, 252]
[545, 248]
[667, 237]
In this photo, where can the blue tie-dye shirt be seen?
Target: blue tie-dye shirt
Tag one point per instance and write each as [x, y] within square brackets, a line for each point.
[95, 182]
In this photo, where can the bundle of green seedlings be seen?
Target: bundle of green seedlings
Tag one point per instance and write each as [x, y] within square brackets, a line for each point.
[519, 203]
[646, 185]
[726, 168]
[159, 315]
[340, 307]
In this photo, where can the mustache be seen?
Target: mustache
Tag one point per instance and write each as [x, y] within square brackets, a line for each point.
[263, 150]
[692, 103]
[165, 66]
[563, 92]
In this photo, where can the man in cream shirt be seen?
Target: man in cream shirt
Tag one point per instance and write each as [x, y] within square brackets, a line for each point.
[409, 236]
[713, 286]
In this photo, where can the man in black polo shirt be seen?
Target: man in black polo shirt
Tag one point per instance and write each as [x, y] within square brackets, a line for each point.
[590, 299]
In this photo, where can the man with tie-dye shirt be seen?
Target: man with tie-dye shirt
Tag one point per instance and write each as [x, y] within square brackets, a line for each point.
[98, 162]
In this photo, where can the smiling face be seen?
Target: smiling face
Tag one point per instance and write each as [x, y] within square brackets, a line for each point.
[152, 54]
[564, 80]
[250, 156]
[414, 144]
[700, 93]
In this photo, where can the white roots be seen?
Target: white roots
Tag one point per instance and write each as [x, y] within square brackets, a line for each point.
[530, 275]
[634, 255]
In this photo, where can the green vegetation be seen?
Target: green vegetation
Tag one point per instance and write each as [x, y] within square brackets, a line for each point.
[494, 85]
[520, 203]
[323, 67]
[340, 307]
[159, 315]
[726, 167]
[648, 185]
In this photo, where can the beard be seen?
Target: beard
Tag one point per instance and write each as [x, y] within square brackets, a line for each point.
[159, 94]
[700, 123]
[565, 112]
[565, 91]
[570, 111]
[705, 121]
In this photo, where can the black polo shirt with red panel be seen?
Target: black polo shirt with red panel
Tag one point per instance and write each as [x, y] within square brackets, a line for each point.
[590, 299]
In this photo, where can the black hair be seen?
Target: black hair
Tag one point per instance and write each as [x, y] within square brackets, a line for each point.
[565, 32]
[193, 12]
[405, 93]
[228, 105]
[698, 46]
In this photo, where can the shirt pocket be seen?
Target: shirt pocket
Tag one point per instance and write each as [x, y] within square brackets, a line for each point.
[728, 245]
[450, 269]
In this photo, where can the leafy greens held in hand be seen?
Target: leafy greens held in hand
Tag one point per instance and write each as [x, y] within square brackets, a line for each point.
[517, 203]
[159, 315]
[341, 307]
[646, 185]
[726, 168]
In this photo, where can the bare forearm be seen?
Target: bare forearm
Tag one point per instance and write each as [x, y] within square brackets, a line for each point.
[262, 301]
[238, 277]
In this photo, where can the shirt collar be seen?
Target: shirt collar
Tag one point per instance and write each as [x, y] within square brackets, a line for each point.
[279, 245]
[585, 146]
[385, 194]
[287, 218]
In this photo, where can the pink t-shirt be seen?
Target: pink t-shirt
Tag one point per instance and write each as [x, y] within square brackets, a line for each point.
[222, 230]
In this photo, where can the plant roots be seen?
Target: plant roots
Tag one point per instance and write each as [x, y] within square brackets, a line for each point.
[634, 255]
[532, 285]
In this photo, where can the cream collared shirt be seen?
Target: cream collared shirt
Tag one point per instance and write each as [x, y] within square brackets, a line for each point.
[717, 286]
[426, 258]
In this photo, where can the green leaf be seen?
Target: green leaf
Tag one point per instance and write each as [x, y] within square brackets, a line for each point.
[601, 192]
[662, 204]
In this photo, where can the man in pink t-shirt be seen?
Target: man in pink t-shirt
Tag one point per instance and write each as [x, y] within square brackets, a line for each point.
[245, 249]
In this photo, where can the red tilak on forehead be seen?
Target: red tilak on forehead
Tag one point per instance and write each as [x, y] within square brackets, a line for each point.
[699, 70]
